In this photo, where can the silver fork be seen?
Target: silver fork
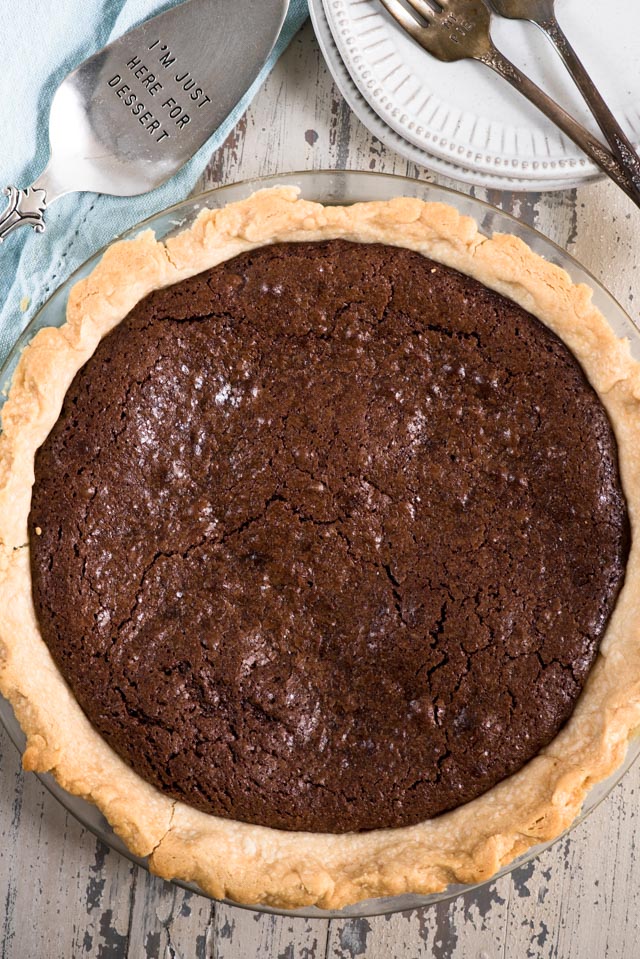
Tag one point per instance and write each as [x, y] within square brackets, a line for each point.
[460, 30]
[542, 13]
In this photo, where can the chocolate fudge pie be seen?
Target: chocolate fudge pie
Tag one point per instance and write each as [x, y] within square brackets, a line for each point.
[318, 574]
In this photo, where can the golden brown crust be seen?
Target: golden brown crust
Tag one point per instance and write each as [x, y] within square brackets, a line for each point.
[251, 863]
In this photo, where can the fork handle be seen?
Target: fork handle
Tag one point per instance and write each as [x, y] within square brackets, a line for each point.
[575, 131]
[621, 146]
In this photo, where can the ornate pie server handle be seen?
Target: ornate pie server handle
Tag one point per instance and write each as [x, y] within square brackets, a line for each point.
[25, 208]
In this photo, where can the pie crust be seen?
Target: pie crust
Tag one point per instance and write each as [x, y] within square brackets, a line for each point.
[255, 864]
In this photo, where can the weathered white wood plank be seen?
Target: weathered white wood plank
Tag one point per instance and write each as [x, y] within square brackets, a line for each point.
[241, 933]
[65, 895]
[167, 921]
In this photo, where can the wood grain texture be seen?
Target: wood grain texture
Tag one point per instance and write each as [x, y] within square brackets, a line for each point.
[67, 896]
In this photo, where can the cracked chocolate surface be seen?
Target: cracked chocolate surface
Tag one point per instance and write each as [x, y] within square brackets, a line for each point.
[326, 537]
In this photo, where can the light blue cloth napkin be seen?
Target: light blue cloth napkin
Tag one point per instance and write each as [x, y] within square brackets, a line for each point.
[44, 41]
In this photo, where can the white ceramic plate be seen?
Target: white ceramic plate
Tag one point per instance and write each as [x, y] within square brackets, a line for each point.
[464, 113]
[367, 115]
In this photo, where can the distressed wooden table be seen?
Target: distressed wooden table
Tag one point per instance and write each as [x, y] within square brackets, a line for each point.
[67, 896]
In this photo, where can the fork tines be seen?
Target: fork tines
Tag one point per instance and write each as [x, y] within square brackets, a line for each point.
[406, 19]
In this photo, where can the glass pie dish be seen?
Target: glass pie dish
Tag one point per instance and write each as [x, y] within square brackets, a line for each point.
[343, 188]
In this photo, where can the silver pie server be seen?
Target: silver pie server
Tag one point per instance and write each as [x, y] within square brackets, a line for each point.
[131, 115]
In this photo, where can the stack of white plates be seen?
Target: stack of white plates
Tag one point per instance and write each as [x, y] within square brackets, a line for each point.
[462, 120]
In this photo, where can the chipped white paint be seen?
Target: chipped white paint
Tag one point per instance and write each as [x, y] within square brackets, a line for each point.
[66, 896]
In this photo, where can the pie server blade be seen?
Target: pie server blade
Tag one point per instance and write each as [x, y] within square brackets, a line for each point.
[131, 115]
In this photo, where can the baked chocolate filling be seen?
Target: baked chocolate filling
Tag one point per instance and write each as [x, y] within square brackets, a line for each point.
[326, 537]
